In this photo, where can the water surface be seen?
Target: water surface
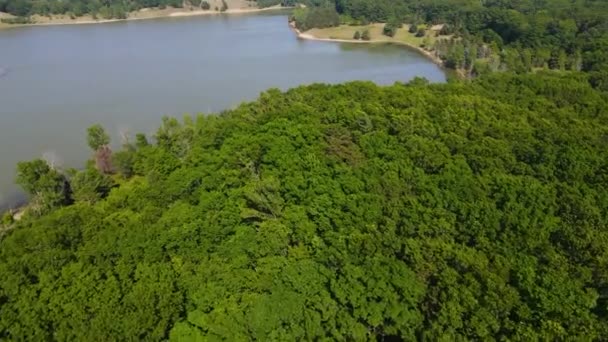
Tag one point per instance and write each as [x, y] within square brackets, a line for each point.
[57, 80]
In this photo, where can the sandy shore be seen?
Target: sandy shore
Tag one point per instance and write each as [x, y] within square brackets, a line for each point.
[309, 36]
[146, 13]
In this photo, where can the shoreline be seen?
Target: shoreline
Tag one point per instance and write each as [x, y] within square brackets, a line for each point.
[307, 36]
[166, 13]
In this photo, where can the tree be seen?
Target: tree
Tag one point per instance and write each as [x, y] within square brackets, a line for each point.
[103, 159]
[124, 162]
[99, 141]
[141, 141]
[365, 35]
[46, 187]
[391, 27]
[558, 60]
[35, 175]
[413, 28]
[455, 58]
[89, 185]
[526, 56]
[97, 137]
[357, 35]
[470, 57]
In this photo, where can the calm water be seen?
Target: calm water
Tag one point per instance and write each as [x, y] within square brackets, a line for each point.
[56, 81]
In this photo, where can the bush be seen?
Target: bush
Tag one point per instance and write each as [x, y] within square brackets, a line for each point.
[365, 35]
[413, 28]
[421, 32]
[357, 35]
[205, 5]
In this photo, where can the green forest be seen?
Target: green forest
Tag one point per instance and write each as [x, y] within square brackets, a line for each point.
[106, 9]
[445, 212]
[492, 35]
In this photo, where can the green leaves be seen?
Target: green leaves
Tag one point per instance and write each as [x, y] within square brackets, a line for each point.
[448, 212]
[97, 137]
[47, 187]
[89, 186]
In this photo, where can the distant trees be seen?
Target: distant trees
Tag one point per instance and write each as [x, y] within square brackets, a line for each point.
[316, 17]
[116, 9]
[544, 31]
[286, 3]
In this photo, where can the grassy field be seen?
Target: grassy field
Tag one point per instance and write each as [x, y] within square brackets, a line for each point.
[423, 44]
[346, 32]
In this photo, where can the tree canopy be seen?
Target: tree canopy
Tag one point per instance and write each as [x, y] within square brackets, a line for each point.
[497, 35]
[459, 211]
[108, 9]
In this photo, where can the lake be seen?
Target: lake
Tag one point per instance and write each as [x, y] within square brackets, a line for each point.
[55, 81]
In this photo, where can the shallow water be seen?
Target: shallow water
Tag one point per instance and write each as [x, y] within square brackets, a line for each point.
[127, 75]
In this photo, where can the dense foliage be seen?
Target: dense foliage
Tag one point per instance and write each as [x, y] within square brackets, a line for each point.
[104, 8]
[496, 34]
[269, 3]
[433, 212]
[319, 17]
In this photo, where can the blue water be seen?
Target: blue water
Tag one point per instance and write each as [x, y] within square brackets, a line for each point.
[127, 75]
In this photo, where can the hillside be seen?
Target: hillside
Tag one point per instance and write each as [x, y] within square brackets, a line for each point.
[460, 211]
